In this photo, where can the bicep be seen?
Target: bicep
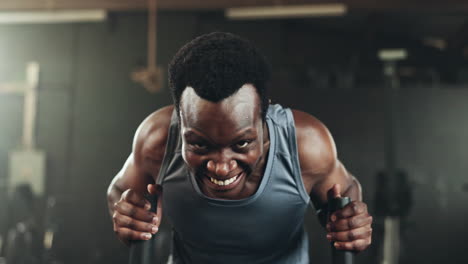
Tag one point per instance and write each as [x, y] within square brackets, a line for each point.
[320, 166]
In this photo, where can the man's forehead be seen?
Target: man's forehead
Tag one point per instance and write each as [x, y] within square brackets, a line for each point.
[242, 105]
[246, 93]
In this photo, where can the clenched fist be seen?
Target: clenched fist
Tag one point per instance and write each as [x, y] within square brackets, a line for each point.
[350, 227]
[132, 217]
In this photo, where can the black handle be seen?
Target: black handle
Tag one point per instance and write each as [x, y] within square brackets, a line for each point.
[142, 251]
[339, 256]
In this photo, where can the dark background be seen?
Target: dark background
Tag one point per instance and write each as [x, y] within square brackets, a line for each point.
[89, 110]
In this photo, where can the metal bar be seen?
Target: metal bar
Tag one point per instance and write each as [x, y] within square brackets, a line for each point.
[15, 88]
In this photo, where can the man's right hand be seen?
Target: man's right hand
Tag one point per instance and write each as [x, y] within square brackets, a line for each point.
[132, 217]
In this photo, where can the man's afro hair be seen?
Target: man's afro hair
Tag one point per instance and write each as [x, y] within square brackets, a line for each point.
[216, 65]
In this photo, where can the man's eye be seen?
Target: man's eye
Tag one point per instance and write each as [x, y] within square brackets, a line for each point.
[242, 144]
[200, 146]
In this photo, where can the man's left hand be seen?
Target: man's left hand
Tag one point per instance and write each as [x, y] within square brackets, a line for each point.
[350, 227]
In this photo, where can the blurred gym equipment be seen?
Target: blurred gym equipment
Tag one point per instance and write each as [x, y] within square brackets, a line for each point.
[27, 241]
[23, 239]
[27, 164]
[151, 77]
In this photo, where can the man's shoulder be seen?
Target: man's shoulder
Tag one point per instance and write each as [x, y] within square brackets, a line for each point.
[316, 147]
[306, 122]
[150, 138]
[156, 121]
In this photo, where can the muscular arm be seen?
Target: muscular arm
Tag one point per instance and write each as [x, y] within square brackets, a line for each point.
[125, 192]
[321, 172]
[320, 166]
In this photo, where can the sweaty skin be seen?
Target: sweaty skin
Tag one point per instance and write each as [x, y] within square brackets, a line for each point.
[226, 145]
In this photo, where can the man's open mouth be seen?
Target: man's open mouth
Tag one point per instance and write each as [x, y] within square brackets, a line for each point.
[227, 183]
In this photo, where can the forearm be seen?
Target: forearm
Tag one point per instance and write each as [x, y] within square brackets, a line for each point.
[353, 190]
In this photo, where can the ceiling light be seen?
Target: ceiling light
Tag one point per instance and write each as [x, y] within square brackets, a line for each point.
[57, 16]
[392, 54]
[289, 11]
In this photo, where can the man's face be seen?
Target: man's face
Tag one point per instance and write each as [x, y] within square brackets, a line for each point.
[222, 142]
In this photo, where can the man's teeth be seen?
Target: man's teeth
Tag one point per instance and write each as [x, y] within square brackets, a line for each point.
[222, 183]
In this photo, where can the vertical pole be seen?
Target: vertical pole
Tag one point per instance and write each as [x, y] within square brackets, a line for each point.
[30, 105]
[391, 86]
[152, 16]
[391, 242]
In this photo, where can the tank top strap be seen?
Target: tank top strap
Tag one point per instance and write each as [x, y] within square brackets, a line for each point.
[173, 145]
[286, 143]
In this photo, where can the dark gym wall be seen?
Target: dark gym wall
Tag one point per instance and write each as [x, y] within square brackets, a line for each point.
[89, 109]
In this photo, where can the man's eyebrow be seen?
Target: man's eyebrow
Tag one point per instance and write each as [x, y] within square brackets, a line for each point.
[242, 132]
[191, 133]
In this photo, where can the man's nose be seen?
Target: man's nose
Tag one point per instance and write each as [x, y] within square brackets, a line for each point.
[221, 168]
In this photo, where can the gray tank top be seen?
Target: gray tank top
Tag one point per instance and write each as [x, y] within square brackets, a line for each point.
[266, 227]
